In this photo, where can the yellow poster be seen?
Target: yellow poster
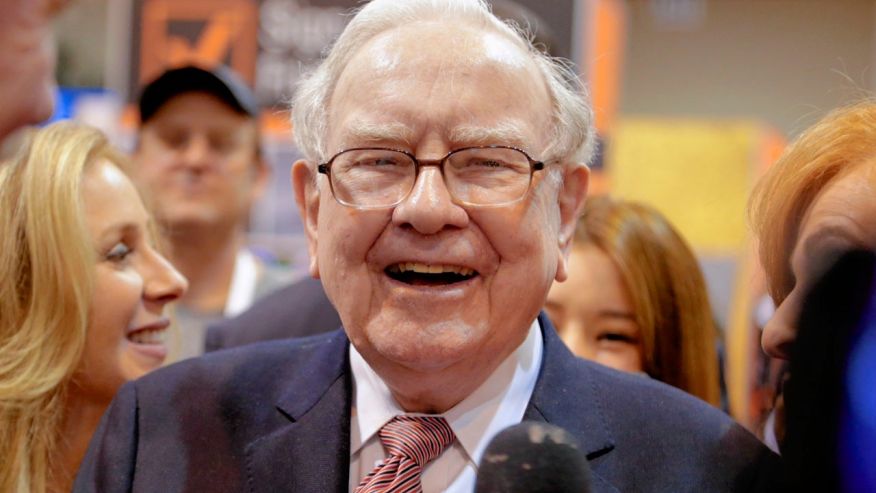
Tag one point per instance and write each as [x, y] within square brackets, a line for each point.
[697, 173]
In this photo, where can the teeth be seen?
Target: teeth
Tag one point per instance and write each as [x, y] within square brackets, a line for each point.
[430, 268]
[148, 336]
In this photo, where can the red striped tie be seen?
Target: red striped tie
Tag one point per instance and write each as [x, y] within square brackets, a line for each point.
[412, 441]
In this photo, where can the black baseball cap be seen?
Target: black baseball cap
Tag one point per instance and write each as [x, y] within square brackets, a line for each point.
[219, 81]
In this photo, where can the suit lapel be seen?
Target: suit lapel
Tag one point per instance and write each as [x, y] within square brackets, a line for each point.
[310, 450]
[564, 396]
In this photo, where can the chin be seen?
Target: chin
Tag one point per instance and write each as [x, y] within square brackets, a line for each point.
[427, 346]
[185, 218]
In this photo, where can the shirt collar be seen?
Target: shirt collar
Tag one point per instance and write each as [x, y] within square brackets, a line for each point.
[244, 279]
[498, 403]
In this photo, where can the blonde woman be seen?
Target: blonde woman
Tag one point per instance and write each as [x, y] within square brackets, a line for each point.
[82, 291]
[636, 300]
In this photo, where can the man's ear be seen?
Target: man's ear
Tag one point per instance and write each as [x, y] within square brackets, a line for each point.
[307, 198]
[571, 202]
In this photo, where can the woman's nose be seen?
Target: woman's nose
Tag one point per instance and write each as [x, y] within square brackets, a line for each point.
[779, 333]
[163, 283]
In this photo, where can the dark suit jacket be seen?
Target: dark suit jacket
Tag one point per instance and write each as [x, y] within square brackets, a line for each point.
[276, 417]
[297, 310]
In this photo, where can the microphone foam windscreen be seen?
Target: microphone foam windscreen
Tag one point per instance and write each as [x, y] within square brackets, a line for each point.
[533, 457]
[827, 436]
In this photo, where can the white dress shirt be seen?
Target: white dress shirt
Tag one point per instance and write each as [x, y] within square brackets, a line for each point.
[244, 279]
[498, 403]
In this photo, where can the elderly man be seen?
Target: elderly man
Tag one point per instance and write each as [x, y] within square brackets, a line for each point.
[444, 175]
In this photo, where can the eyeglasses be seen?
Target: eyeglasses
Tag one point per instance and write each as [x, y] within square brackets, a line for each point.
[373, 177]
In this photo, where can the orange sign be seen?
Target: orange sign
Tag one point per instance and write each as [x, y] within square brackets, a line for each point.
[198, 32]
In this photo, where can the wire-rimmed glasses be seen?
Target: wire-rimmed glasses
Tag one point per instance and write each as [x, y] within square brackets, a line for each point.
[375, 177]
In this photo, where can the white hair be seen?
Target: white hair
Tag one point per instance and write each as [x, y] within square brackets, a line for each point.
[572, 139]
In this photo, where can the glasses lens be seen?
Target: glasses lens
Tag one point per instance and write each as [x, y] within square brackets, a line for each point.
[372, 177]
[488, 176]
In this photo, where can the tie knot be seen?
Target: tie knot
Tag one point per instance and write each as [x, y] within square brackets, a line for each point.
[420, 438]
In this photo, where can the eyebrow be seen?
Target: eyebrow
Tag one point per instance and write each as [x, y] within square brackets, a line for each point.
[616, 314]
[120, 228]
[507, 132]
[360, 131]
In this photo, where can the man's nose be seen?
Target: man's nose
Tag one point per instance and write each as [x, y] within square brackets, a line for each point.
[197, 151]
[429, 208]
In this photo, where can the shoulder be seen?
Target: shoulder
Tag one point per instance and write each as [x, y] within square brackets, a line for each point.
[273, 276]
[625, 399]
[297, 299]
[643, 435]
[188, 426]
[262, 368]
[297, 310]
[629, 398]
[287, 293]
[622, 407]
[674, 439]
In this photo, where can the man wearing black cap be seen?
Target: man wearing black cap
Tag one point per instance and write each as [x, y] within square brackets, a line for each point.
[200, 164]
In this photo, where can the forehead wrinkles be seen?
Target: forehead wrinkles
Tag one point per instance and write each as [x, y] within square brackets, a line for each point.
[477, 68]
[364, 131]
[506, 132]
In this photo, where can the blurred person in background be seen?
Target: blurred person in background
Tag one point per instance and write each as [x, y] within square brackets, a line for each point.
[198, 157]
[82, 296]
[27, 62]
[636, 299]
[816, 203]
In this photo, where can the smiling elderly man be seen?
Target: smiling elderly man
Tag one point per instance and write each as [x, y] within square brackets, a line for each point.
[445, 170]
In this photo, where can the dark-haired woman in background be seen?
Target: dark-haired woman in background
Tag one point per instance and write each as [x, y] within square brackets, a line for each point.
[636, 299]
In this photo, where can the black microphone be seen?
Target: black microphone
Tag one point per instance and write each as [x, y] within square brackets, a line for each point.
[533, 457]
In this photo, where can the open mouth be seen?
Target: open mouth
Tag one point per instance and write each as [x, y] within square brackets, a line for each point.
[418, 274]
[154, 336]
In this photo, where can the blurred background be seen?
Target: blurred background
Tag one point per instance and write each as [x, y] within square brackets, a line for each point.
[693, 100]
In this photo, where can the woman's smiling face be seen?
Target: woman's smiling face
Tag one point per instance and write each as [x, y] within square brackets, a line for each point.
[593, 312]
[133, 283]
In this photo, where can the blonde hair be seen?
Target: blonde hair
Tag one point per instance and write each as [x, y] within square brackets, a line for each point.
[843, 139]
[47, 262]
[666, 288]
[573, 135]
